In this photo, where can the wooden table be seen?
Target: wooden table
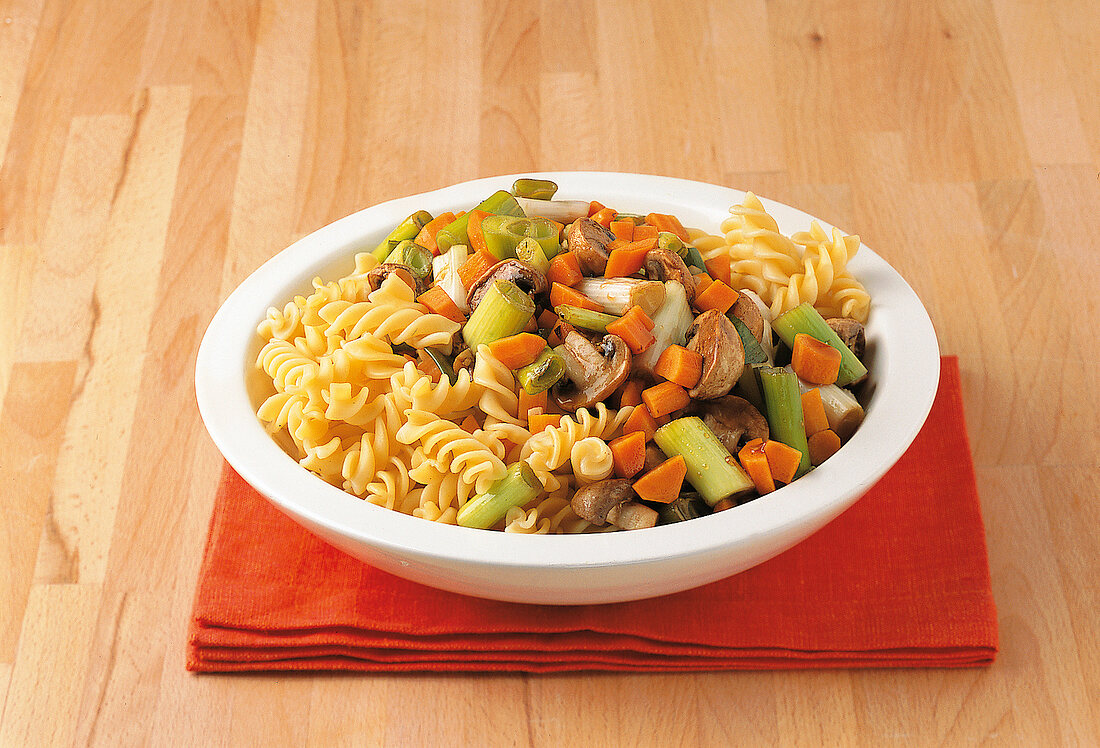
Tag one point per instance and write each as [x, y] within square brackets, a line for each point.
[153, 153]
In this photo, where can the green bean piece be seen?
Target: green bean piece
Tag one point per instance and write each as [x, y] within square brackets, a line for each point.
[518, 486]
[531, 252]
[503, 311]
[584, 318]
[543, 373]
[407, 229]
[408, 252]
[783, 409]
[711, 469]
[502, 234]
[499, 203]
[805, 319]
[534, 189]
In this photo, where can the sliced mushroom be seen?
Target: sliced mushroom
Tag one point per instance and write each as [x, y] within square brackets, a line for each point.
[851, 333]
[404, 272]
[610, 501]
[465, 358]
[528, 279]
[715, 338]
[588, 240]
[734, 421]
[666, 265]
[748, 312]
[593, 370]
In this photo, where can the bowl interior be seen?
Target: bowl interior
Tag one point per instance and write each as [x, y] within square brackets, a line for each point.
[903, 359]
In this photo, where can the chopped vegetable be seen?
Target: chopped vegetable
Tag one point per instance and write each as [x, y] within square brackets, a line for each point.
[783, 408]
[407, 229]
[475, 266]
[631, 393]
[662, 484]
[445, 271]
[670, 325]
[426, 237]
[805, 319]
[719, 268]
[502, 234]
[500, 202]
[529, 401]
[535, 189]
[616, 295]
[813, 412]
[517, 351]
[842, 410]
[717, 296]
[622, 229]
[711, 469]
[564, 269]
[544, 372]
[823, 445]
[438, 302]
[641, 420]
[565, 296]
[537, 422]
[784, 461]
[531, 252]
[671, 224]
[678, 364]
[814, 361]
[503, 311]
[585, 318]
[628, 454]
[635, 328]
[665, 398]
[473, 230]
[755, 461]
[519, 486]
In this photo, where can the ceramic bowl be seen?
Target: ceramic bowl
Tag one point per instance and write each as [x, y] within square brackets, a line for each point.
[903, 359]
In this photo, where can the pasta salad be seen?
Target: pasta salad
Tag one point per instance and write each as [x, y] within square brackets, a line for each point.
[537, 365]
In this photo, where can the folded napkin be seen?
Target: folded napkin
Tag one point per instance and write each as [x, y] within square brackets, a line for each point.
[899, 580]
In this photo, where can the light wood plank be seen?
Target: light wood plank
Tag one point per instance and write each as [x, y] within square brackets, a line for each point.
[17, 34]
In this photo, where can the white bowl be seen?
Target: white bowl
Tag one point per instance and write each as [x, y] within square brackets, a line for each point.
[569, 569]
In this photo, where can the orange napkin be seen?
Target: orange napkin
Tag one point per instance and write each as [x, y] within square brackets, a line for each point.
[899, 580]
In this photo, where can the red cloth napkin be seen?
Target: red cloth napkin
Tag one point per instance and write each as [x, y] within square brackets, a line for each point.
[899, 580]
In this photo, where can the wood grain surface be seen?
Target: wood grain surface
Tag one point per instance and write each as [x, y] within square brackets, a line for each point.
[154, 152]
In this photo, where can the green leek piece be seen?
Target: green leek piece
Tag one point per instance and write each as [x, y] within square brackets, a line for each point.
[711, 469]
[783, 409]
[518, 486]
[694, 258]
[504, 310]
[442, 361]
[584, 318]
[748, 386]
[668, 240]
[543, 374]
[534, 189]
[502, 234]
[805, 319]
[681, 509]
[417, 258]
[532, 253]
[499, 203]
[407, 229]
[754, 352]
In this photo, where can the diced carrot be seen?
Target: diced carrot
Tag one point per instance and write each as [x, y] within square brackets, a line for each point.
[719, 268]
[532, 325]
[559, 226]
[604, 216]
[547, 319]
[668, 223]
[624, 261]
[645, 231]
[622, 230]
[631, 392]
[595, 207]
[473, 230]
[536, 422]
[438, 302]
[560, 294]
[813, 412]
[814, 361]
[783, 460]
[426, 237]
[470, 424]
[716, 295]
[558, 333]
[635, 328]
[702, 280]
[755, 461]
[662, 484]
[680, 365]
[628, 454]
[531, 403]
[665, 398]
[641, 420]
[516, 351]
[823, 445]
[565, 269]
[474, 267]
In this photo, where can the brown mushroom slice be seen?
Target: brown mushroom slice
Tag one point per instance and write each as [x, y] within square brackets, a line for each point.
[734, 420]
[666, 265]
[851, 333]
[746, 310]
[528, 279]
[715, 338]
[588, 240]
[611, 501]
[592, 370]
[653, 457]
[404, 272]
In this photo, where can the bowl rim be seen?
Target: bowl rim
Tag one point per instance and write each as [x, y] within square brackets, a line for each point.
[899, 405]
